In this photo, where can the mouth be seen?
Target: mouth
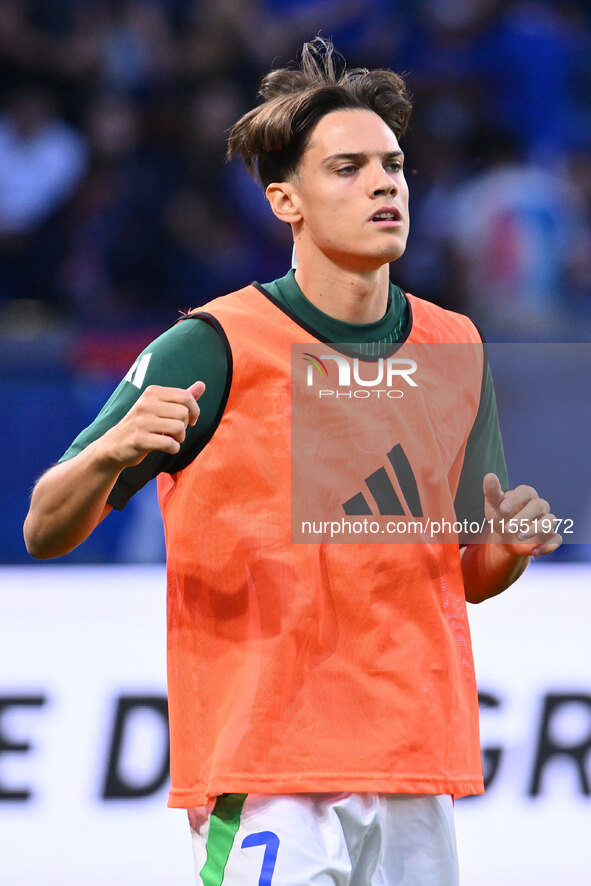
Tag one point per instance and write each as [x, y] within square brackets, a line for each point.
[387, 216]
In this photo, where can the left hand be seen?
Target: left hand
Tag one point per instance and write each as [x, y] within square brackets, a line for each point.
[521, 520]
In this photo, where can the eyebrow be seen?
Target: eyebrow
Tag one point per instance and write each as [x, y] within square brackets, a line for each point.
[361, 156]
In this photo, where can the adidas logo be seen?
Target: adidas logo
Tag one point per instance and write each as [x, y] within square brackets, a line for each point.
[383, 492]
[137, 373]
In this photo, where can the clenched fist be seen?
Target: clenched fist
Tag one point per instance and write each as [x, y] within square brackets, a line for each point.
[158, 420]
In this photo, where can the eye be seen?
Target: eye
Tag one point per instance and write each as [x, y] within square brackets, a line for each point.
[395, 165]
[346, 170]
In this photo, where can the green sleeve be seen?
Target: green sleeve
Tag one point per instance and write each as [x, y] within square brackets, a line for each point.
[192, 350]
[484, 453]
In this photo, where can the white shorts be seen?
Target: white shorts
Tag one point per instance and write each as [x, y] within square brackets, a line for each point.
[325, 840]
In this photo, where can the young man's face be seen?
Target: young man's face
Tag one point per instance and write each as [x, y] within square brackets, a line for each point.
[351, 192]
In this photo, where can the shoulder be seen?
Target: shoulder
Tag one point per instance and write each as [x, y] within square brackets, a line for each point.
[188, 332]
[176, 358]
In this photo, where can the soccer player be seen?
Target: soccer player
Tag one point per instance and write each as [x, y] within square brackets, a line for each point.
[323, 706]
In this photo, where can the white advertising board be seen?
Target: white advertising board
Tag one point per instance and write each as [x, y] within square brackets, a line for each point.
[533, 660]
[83, 740]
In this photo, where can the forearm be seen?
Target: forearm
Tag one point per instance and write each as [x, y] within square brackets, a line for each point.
[489, 569]
[71, 498]
[68, 502]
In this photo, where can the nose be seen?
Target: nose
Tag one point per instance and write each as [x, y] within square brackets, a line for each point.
[382, 182]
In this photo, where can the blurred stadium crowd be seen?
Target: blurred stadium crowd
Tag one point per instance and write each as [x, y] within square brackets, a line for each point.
[117, 208]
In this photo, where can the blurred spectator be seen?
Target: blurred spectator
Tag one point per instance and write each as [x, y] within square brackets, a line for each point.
[578, 171]
[216, 42]
[210, 226]
[445, 57]
[114, 270]
[536, 54]
[42, 159]
[436, 166]
[518, 231]
[138, 51]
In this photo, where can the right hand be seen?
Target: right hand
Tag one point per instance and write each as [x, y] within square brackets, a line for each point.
[158, 420]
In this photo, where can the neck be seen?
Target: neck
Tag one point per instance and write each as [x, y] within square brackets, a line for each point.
[349, 296]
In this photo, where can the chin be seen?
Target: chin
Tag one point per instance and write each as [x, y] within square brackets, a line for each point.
[390, 252]
[391, 255]
[395, 257]
[396, 252]
[368, 261]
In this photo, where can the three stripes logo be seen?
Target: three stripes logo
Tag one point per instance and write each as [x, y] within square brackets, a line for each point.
[383, 492]
[137, 373]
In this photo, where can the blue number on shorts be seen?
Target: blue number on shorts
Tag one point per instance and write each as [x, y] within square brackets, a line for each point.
[271, 843]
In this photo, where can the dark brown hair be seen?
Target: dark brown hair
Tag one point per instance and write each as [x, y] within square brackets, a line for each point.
[272, 137]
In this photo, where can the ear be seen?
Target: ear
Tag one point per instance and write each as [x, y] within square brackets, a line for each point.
[283, 200]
